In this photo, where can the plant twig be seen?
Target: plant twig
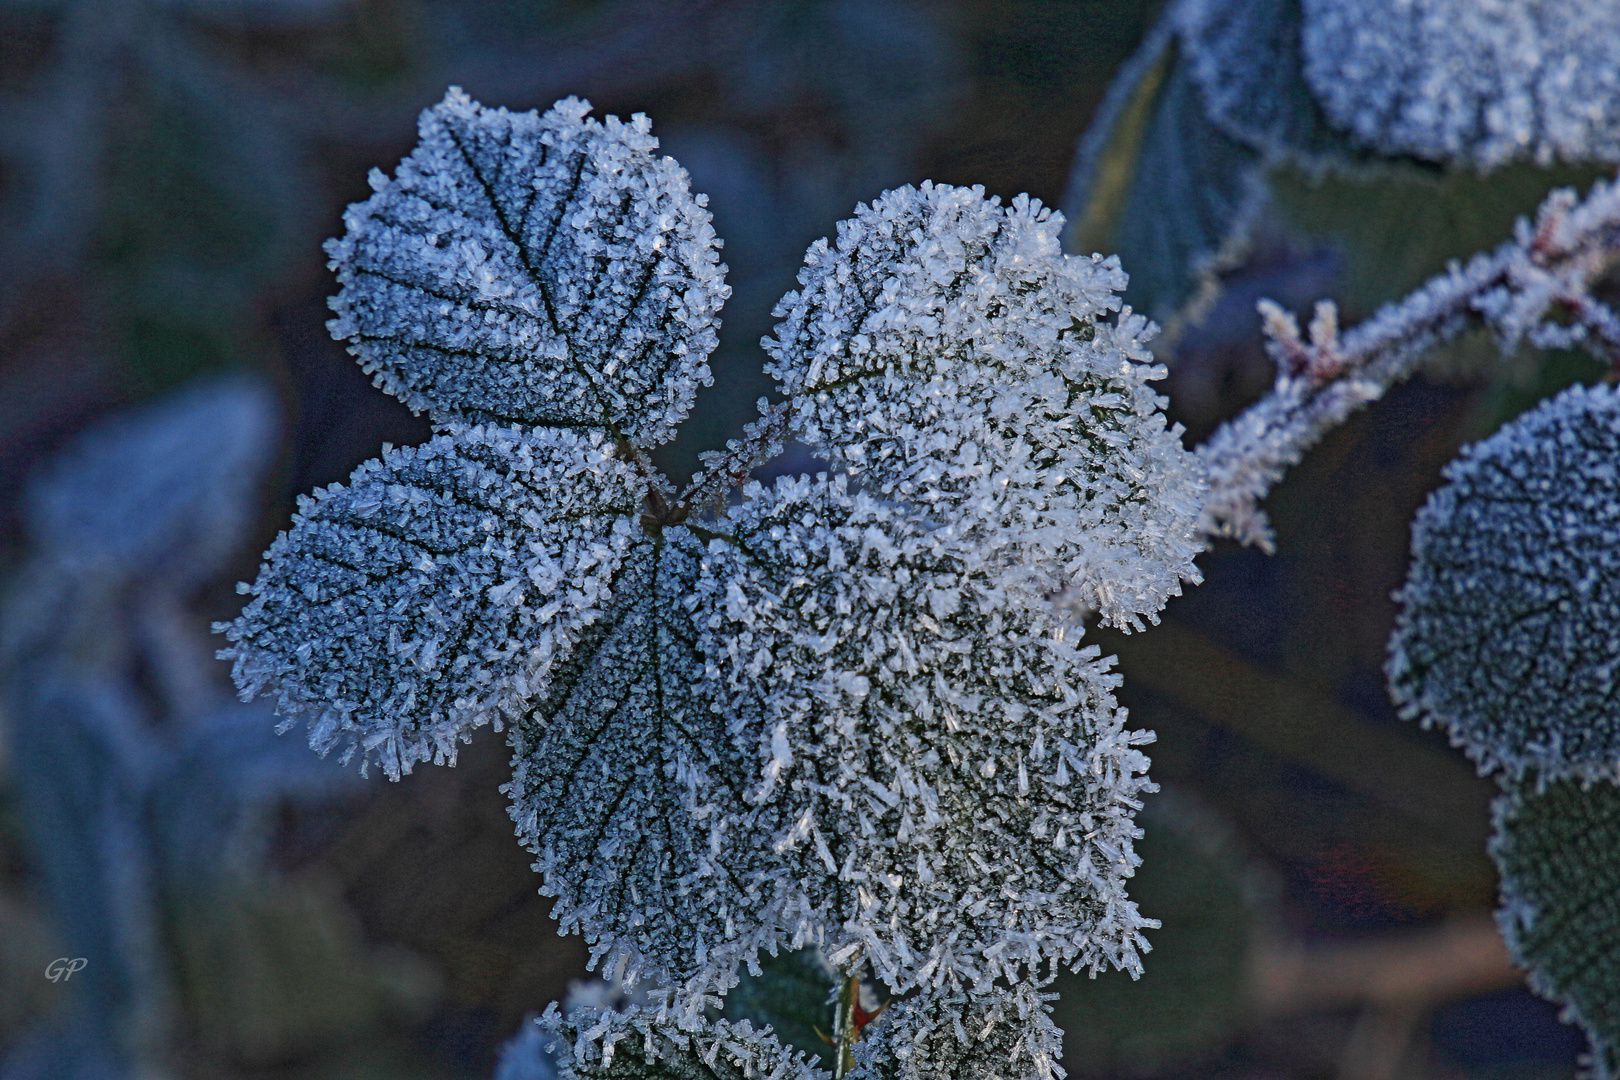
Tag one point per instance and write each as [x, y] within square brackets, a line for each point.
[1546, 267]
[852, 1016]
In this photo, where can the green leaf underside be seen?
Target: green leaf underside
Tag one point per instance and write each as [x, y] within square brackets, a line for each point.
[792, 996]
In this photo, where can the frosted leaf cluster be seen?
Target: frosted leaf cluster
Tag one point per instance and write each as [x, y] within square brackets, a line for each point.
[601, 1044]
[435, 592]
[1509, 636]
[1002, 1035]
[533, 269]
[845, 712]
[1477, 81]
[948, 354]
[947, 786]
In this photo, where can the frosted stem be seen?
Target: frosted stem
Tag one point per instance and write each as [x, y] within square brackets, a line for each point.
[1320, 381]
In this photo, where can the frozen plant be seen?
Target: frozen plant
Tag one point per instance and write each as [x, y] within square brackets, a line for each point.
[1535, 288]
[849, 711]
[1507, 636]
[1507, 640]
[1396, 129]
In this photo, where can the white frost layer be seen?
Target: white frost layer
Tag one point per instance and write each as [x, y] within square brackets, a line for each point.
[1509, 636]
[437, 590]
[534, 269]
[1481, 82]
[948, 354]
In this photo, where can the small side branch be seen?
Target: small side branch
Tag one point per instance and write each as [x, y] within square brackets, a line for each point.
[725, 470]
[1549, 267]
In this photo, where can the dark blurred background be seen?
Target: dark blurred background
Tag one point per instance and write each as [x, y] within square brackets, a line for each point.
[168, 169]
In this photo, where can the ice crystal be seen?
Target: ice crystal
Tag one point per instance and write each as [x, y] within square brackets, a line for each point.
[1508, 638]
[948, 354]
[592, 1044]
[1470, 81]
[533, 269]
[435, 592]
[1000, 1035]
[946, 785]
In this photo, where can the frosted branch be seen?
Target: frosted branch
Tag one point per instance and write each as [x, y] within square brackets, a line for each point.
[1545, 270]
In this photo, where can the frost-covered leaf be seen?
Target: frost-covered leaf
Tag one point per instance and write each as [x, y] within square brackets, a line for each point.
[1470, 82]
[520, 268]
[946, 787]
[999, 1035]
[436, 592]
[1245, 57]
[1558, 851]
[948, 354]
[1194, 193]
[1169, 174]
[591, 1044]
[1509, 636]
[623, 783]
[1105, 161]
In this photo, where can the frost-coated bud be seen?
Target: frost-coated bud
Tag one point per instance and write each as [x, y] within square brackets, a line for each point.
[1510, 633]
[1479, 82]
